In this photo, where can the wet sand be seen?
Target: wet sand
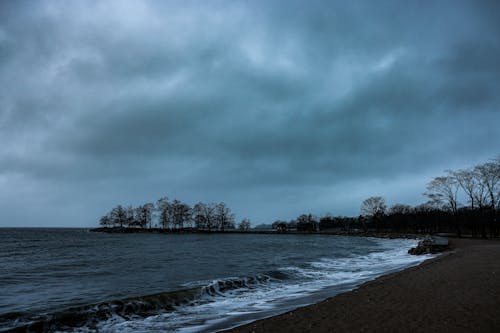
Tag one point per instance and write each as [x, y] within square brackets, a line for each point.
[456, 292]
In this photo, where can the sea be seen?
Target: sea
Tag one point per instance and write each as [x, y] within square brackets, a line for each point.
[74, 280]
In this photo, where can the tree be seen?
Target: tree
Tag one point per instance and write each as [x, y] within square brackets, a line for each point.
[444, 190]
[130, 220]
[244, 225]
[199, 218]
[400, 209]
[467, 181]
[204, 216]
[165, 211]
[373, 206]
[186, 213]
[119, 216]
[489, 176]
[144, 214]
[223, 217]
[480, 192]
[306, 222]
[105, 221]
[480, 195]
[276, 223]
[373, 209]
[181, 213]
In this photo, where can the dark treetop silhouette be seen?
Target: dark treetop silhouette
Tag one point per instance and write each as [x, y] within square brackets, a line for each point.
[461, 201]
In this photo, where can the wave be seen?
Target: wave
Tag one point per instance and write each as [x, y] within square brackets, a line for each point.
[210, 305]
[132, 308]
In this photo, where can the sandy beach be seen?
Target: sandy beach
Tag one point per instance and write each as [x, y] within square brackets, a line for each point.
[456, 292]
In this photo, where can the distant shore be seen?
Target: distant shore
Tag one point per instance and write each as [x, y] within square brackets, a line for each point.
[367, 233]
[456, 292]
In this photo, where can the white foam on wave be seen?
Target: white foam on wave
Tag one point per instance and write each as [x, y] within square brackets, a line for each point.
[236, 306]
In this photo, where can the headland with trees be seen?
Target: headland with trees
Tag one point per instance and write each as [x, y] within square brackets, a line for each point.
[460, 202]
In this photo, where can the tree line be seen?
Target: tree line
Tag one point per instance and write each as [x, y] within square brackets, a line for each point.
[459, 201]
[173, 215]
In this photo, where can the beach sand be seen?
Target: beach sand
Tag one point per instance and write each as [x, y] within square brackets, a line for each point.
[456, 292]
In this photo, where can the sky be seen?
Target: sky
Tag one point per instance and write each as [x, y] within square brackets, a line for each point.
[276, 108]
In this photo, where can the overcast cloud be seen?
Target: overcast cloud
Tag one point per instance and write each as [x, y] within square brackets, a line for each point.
[275, 107]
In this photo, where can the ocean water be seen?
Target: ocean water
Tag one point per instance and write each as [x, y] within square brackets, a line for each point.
[75, 280]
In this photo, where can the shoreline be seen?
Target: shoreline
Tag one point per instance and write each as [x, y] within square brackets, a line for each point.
[457, 291]
[350, 233]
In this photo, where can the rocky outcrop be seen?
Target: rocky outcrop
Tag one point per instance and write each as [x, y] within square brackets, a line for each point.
[430, 244]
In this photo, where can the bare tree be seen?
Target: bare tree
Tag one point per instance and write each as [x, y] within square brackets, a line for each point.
[106, 221]
[373, 206]
[244, 225]
[187, 215]
[119, 216]
[144, 215]
[489, 175]
[497, 162]
[445, 190]
[165, 211]
[467, 181]
[130, 219]
[204, 216]
[480, 192]
[200, 221]
[224, 217]
[400, 209]
[181, 213]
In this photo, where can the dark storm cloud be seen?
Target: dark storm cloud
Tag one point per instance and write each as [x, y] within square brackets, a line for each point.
[274, 107]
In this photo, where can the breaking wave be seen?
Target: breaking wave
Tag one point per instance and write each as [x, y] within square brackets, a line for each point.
[133, 308]
[223, 303]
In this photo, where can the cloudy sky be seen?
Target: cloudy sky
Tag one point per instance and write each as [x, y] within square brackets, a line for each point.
[275, 107]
